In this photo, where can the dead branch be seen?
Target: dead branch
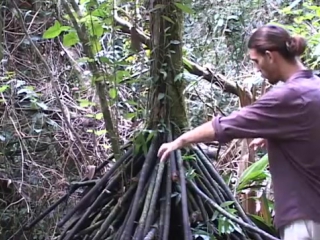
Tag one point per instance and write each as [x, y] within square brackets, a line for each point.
[53, 80]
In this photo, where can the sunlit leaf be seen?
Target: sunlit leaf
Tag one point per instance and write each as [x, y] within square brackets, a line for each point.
[98, 116]
[96, 29]
[265, 212]
[113, 93]
[168, 19]
[129, 116]
[156, 7]
[3, 88]
[226, 203]
[100, 132]
[85, 103]
[53, 31]
[96, 46]
[254, 172]
[99, 13]
[70, 39]
[184, 8]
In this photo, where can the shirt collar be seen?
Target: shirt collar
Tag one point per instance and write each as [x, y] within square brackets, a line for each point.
[301, 74]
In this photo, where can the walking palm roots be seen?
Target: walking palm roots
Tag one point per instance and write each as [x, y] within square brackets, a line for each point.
[141, 198]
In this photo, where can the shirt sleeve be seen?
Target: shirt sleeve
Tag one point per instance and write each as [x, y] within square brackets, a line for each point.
[278, 114]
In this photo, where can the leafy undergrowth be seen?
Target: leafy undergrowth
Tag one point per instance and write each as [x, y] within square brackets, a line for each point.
[45, 147]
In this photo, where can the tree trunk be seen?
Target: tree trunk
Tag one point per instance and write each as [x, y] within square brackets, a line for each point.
[166, 100]
[140, 197]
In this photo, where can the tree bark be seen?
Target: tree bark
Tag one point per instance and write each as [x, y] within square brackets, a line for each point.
[193, 68]
[166, 100]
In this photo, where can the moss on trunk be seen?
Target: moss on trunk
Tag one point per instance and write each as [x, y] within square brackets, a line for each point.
[166, 99]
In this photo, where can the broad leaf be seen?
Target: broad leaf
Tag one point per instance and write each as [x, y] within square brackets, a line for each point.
[70, 39]
[184, 8]
[253, 173]
[53, 31]
[113, 93]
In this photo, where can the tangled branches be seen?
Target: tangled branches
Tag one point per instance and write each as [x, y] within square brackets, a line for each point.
[143, 198]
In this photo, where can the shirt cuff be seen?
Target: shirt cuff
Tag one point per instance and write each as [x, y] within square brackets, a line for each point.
[220, 134]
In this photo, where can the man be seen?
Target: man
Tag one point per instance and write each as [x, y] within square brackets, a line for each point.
[287, 118]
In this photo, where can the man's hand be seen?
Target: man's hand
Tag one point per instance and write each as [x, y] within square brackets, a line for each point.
[258, 142]
[203, 133]
[166, 149]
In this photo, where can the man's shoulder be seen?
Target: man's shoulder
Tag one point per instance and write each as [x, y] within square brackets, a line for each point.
[284, 95]
[279, 93]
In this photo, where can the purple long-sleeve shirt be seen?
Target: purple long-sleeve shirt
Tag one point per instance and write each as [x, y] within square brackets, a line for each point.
[287, 116]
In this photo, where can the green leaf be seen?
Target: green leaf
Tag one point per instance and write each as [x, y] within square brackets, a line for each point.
[96, 29]
[65, 28]
[96, 46]
[259, 222]
[150, 136]
[120, 75]
[184, 8]
[254, 172]
[113, 93]
[98, 116]
[187, 62]
[3, 88]
[215, 215]
[100, 132]
[158, 6]
[104, 59]
[70, 39]
[178, 77]
[188, 158]
[265, 209]
[53, 31]
[226, 203]
[129, 116]
[85, 103]
[99, 13]
[83, 2]
[168, 19]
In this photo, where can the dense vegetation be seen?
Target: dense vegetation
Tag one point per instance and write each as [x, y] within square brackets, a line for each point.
[82, 93]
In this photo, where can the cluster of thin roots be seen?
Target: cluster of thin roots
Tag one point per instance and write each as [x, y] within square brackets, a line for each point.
[142, 198]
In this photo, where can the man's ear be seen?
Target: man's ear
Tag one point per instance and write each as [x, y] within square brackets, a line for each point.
[269, 56]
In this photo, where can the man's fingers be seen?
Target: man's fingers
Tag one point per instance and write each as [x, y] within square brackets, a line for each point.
[161, 151]
[165, 156]
[255, 145]
[252, 145]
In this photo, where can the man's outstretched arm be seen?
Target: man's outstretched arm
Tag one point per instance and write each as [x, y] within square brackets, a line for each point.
[202, 133]
[277, 115]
